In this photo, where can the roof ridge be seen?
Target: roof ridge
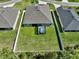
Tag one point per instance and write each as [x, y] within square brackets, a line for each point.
[31, 12]
[74, 14]
[38, 9]
[74, 18]
[43, 12]
[69, 24]
[45, 15]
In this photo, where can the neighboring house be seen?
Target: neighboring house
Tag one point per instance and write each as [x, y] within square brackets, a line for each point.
[38, 15]
[8, 18]
[69, 19]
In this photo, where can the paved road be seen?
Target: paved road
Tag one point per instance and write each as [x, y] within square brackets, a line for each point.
[9, 2]
[62, 3]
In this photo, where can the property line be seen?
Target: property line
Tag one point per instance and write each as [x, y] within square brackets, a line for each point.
[17, 36]
[57, 33]
[10, 3]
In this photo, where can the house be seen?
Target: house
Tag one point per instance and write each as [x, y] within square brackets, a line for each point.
[8, 18]
[38, 15]
[69, 20]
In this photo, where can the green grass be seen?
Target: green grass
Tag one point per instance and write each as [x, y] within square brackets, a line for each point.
[73, 0]
[70, 38]
[7, 39]
[4, 0]
[30, 42]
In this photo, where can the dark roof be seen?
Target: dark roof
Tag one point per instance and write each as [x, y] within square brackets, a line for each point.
[69, 19]
[8, 17]
[38, 14]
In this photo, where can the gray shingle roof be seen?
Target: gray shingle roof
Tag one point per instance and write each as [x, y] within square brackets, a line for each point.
[39, 14]
[8, 17]
[68, 19]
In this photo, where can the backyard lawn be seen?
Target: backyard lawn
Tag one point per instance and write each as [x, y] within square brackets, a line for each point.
[30, 42]
[7, 38]
[70, 38]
